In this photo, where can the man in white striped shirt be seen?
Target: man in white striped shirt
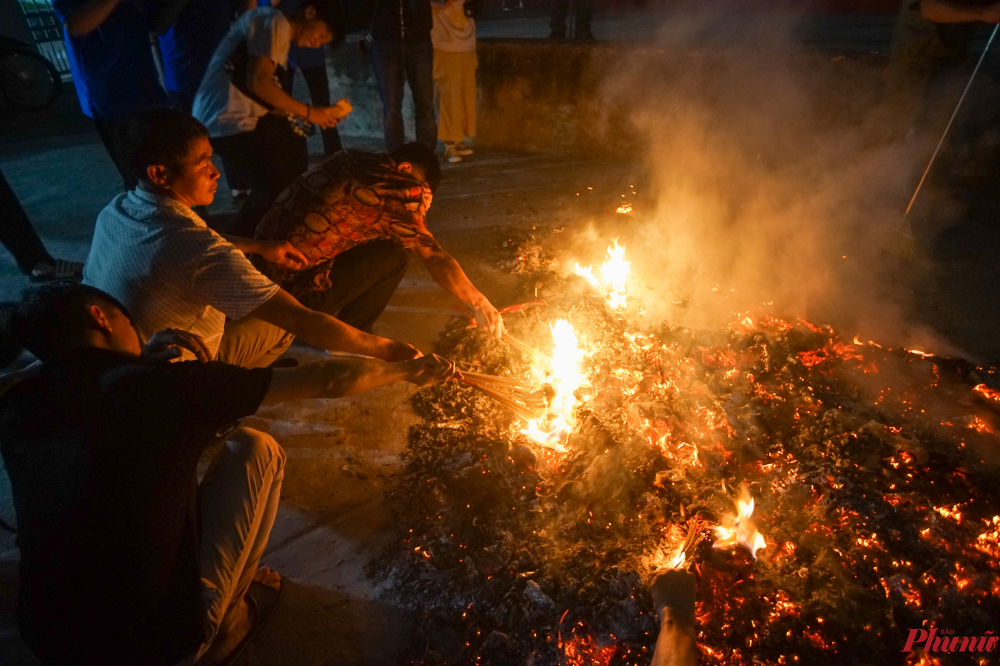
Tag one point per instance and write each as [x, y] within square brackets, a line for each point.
[156, 255]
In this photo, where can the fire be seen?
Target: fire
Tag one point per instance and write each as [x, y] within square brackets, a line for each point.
[740, 529]
[987, 392]
[614, 275]
[565, 379]
[624, 209]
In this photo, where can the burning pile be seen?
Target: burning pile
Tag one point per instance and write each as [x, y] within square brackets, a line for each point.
[860, 511]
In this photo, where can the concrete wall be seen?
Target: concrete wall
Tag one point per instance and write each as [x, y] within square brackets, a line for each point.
[538, 95]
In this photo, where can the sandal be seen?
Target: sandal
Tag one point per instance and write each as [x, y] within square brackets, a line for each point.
[263, 600]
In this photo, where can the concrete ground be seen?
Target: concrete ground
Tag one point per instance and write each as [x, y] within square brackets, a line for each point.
[343, 454]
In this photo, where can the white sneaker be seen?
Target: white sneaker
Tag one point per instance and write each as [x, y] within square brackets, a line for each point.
[463, 149]
[451, 153]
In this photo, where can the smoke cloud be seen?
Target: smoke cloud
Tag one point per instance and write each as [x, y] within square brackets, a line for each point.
[776, 177]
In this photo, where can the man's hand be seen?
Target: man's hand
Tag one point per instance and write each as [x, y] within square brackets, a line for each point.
[430, 370]
[167, 345]
[283, 254]
[401, 351]
[488, 318]
[330, 116]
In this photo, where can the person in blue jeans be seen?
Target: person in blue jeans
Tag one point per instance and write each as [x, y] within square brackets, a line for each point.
[401, 51]
[107, 42]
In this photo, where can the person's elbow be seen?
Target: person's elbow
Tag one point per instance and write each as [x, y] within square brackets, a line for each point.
[259, 81]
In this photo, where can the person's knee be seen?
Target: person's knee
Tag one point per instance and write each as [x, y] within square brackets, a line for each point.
[257, 449]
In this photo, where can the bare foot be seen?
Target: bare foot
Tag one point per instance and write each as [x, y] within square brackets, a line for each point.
[269, 577]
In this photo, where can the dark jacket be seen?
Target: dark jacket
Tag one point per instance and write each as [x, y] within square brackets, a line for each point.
[402, 20]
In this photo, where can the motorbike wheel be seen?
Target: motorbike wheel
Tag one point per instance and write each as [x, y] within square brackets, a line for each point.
[27, 80]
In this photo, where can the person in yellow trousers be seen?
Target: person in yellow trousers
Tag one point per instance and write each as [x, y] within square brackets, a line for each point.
[455, 64]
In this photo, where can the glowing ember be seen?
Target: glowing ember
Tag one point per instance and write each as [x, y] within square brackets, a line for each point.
[740, 529]
[624, 209]
[614, 275]
[584, 651]
[565, 379]
[987, 392]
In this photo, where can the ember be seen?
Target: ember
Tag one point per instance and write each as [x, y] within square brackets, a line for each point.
[879, 517]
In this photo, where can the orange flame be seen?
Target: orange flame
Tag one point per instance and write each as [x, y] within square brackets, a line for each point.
[614, 275]
[566, 377]
[740, 529]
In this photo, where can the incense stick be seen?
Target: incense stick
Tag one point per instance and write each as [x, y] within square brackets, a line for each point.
[506, 401]
[537, 356]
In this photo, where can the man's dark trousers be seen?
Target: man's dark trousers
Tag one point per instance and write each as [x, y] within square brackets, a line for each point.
[411, 61]
[271, 156]
[364, 278]
[584, 10]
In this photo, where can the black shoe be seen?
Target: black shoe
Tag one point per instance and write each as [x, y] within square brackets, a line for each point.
[558, 33]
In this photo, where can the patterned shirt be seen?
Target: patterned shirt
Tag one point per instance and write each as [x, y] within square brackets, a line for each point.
[157, 257]
[351, 198]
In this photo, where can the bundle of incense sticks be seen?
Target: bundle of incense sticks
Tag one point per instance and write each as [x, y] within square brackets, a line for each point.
[694, 535]
[516, 388]
[505, 399]
[535, 355]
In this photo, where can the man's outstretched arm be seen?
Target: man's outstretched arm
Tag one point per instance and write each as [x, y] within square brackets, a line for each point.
[447, 273]
[326, 332]
[350, 376]
[940, 11]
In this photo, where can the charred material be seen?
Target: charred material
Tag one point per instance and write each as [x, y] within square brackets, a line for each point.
[869, 468]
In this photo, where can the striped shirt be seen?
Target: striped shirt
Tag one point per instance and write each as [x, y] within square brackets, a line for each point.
[170, 270]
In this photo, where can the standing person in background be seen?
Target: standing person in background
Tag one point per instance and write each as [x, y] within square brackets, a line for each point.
[401, 50]
[111, 60]
[930, 66]
[186, 50]
[242, 84]
[455, 64]
[187, 47]
[583, 11]
[18, 236]
[312, 64]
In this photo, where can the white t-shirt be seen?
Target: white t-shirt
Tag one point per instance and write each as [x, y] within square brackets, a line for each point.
[157, 257]
[219, 106]
[453, 30]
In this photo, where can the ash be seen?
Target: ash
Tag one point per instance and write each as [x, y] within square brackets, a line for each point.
[870, 468]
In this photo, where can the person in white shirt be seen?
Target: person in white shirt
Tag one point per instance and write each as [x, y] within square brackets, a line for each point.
[248, 114]
[455, 64]
[156, 256]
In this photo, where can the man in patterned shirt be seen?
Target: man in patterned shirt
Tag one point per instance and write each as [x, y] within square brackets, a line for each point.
[356, 218]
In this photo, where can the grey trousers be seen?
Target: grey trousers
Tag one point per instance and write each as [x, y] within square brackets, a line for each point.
[239, 500]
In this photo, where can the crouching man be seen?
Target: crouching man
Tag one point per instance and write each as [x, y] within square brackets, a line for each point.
[357, 218]
[126, 558]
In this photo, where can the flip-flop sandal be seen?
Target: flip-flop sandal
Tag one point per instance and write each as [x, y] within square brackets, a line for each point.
[264, 600]
[63, 270]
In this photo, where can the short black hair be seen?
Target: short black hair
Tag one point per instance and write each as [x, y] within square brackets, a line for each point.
[420, 155]
[332, 13]
[53, 317]
[156, 135]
